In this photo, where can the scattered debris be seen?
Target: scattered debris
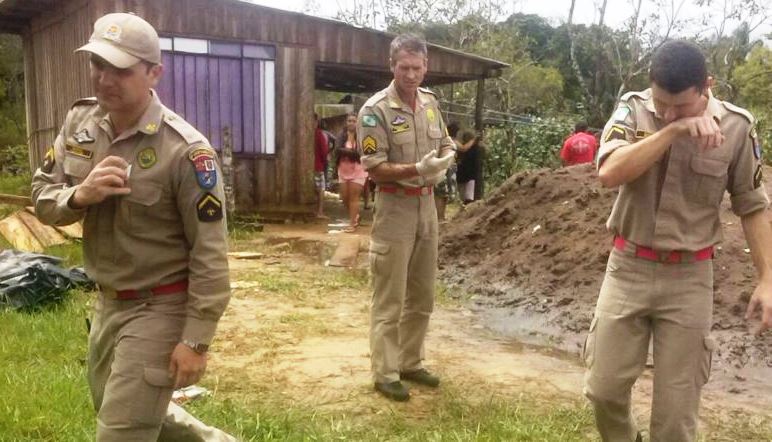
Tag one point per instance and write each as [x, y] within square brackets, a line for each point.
[188, 394]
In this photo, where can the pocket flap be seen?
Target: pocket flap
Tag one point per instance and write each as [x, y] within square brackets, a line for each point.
[709, 166]
[435, 133]
[158, 377]
[404, 137]
[379, 248]
[144, 193]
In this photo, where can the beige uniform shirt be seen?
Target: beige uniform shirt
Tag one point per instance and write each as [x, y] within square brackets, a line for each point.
[675, 204]
[389, 130]
[170, 228]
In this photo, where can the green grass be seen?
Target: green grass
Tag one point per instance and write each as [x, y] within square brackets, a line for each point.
[45, 397]
[44, 393]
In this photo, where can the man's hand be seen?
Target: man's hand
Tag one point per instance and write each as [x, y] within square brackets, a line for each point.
[762, 297]
[430, 165]
[106, 179]
[186, 366]
[703, 129]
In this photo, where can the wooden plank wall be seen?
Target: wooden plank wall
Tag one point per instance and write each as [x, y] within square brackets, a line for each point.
[54, 76]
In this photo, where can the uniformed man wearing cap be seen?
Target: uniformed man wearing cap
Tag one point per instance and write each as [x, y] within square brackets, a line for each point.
[406, 149]
[673, 150]
[147, 186]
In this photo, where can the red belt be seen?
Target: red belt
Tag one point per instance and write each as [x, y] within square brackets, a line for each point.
[671, 257]
[166, 289]
[409, 191]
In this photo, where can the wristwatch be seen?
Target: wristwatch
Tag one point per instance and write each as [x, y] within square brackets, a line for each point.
[196, 346]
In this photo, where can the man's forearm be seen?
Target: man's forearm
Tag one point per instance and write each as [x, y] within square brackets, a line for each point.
[386, 172]
[629, 162]
[758, 234]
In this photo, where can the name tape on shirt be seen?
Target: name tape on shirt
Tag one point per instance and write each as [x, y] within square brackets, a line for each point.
[78, 151]
[369, 145]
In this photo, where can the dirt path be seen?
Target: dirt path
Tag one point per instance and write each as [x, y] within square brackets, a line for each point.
[298, 329]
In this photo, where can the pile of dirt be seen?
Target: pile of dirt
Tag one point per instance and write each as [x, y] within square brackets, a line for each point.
[538, 245]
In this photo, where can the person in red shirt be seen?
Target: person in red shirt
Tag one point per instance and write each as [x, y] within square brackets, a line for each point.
[580, 147]
[321, 150]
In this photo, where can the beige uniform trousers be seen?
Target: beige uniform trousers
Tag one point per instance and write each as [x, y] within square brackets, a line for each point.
[670, 303]
[129, 349]
[403, 261]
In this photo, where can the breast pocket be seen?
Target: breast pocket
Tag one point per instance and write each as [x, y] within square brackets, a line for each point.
[709, 181]
[142, 206]
[403, 147]
[76, 169]
[435, 137]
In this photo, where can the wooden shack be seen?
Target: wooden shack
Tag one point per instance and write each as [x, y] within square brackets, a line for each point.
[229, 66]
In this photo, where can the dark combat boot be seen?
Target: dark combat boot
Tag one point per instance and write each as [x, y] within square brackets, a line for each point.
[393, 390]
[420, 376]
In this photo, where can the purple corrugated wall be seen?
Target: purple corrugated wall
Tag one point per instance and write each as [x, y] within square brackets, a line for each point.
[214, 92]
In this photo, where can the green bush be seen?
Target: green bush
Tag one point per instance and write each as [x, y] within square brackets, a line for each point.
[14, 159]
[524, 146]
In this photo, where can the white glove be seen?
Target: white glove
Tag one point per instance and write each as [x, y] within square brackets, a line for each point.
[435, 179]
[430, 165]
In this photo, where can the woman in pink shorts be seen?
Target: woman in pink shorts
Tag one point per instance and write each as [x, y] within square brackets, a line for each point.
[351, 174]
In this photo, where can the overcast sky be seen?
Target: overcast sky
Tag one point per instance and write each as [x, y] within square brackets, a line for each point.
[556, 11]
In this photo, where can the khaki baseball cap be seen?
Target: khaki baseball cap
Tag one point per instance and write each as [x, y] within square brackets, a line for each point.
[123, 40]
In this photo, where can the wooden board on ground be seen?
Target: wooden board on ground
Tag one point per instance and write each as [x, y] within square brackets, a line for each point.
[245, 255]
[46, 235]
[15, 200]
[18, 234]
[72, 231]
[346, 253]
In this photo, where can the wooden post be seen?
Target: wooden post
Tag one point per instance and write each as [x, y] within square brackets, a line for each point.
[227, 171]
[479, 102]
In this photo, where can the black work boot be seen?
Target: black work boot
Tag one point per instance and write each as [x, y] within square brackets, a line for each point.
[420, 376]
[393, 390]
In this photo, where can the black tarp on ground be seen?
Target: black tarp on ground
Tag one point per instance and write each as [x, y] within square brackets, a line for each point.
[31, 280]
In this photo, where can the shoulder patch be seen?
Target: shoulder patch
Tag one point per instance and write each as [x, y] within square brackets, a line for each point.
[88, 101]
[369, 145]
[369, 120]
[757, 177]
[204, 166]
[184, 129]
[209, 208]
[623, 110]
[48, 161]
[616, 132]
[738, 110]
[643, 95]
